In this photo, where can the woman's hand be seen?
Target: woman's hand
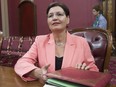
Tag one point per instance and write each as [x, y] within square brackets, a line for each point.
[44, 71]
[39, 73]
[82, 66]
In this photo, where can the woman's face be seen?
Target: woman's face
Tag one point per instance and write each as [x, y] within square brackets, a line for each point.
[95, 12]
[57, 20]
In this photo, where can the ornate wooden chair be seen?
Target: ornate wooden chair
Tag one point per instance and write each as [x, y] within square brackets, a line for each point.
[100, 42]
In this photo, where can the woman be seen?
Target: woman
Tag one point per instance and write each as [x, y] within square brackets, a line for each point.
[100, 21]
[56, 50]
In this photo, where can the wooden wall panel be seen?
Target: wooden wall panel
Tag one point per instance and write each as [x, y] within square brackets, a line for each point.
[0, 18]
[27, 18]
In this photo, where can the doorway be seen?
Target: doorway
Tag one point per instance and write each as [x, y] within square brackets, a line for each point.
[27, 18]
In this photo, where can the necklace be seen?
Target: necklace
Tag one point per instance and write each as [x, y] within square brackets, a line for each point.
[59, 44]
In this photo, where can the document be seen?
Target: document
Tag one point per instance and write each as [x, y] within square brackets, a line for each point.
[48, 85]
[83, 77]
[63, 83]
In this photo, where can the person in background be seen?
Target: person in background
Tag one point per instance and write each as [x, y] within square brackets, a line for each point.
[56, 50]
[100, 21]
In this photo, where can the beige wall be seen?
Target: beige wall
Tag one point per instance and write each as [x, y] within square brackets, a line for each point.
[4, 14]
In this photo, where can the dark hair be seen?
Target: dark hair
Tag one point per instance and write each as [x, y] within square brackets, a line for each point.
[98, 8]
[63, 6]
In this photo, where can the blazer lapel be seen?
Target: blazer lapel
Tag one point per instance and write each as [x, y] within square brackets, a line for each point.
[69, 51]
[50, 53]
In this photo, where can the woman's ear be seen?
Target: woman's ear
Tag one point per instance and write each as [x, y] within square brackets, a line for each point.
[68, 19]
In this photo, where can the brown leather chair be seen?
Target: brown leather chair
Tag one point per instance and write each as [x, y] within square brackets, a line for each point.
[100, 42]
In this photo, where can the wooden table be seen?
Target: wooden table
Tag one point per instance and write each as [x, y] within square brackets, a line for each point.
[8, 78]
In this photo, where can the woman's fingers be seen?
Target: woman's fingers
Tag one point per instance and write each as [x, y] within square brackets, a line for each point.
[44, 71]
[79, 66]
[83, 66]
[87, 68]
[46, 67]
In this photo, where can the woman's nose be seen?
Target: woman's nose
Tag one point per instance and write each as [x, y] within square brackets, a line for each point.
[55, 17]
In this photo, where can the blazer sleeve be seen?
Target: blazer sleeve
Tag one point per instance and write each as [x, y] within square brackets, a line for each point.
[26, 64]
[89, 59]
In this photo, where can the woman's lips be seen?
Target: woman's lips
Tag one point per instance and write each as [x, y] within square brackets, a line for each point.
[55, 23]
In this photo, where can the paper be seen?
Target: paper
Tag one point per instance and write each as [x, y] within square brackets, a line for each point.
[47, 85]
[63, 83]
[84, 77]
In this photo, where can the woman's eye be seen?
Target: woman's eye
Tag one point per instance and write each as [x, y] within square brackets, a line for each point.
[49, 16]
[60, 14]
[57, 14]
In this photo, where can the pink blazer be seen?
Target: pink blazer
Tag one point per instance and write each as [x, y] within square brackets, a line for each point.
[43, 52]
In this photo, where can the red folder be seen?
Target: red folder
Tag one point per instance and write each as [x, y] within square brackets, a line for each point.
[84, 77]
